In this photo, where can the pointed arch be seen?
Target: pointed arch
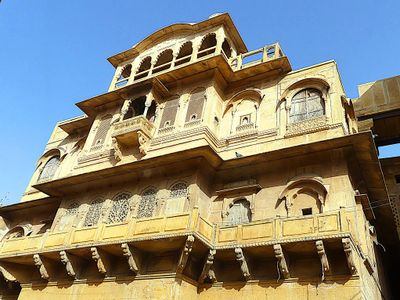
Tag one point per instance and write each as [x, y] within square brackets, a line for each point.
[208, 45]
[184, 53]
[163, 61]
[248, 94]
[144, 68]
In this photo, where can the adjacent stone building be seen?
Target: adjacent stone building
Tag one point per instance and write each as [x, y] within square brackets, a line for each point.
[206, 171]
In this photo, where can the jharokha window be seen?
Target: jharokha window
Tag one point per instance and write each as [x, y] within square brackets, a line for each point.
[50, 168]
[94, 213]
[120, 208]
[306, 104]
[239, 213]
[147, 204]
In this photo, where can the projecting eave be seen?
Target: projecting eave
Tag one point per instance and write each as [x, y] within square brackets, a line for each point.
[45, 204]
[73, 124]
[178, 29]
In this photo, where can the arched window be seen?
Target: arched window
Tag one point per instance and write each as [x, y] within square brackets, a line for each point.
[94, 213]
[164, 61]
[195, 105]
[18, 231]
[208, 45]
[179, 189]
[101, 133]
[50, 168]
[144, 68]
[226, 48]
[120, 208]
[124, 76]
[306, 104]
[239, 212]
[185, 53]
[147, 204]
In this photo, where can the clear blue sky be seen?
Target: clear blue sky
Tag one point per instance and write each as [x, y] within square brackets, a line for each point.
[53, 54]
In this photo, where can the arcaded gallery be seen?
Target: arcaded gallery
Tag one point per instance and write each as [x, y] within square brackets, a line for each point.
[211, 171]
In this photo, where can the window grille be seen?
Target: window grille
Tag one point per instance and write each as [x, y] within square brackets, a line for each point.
[147, 204]
[50, 168]
[93, 214]
[195, 106]
[179, 190]
[306, 104]
[101, 133]
[120, 208]
[169, 112]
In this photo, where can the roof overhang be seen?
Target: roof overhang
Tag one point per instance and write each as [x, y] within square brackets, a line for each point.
[184, 28]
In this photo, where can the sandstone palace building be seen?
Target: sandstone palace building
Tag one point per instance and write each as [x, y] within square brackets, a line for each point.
[208, 171]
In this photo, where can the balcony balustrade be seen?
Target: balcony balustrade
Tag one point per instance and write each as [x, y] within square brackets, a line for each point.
[268, 231]
[263, 55]
[129, 131]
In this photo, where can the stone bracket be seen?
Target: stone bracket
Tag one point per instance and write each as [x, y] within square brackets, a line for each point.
[185, 253]
[71, 263]
[131, 256]
[323, 258]
[208, 271]
[102, 260]
[282, 262]
[39, 263]
[349, 255]
[242, 262]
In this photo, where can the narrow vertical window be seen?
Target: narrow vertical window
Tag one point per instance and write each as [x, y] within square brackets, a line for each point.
[101, 133]
[195, 105]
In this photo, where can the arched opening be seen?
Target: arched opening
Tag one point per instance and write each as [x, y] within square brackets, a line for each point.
[185, 53]
[226, 48]
[239, 213]
[306, 104]
[49, 169]
[147, 204]
[164, 61]
[18, 231]
[124, 76]
[136, 108]
[144, 68]
[208, 45]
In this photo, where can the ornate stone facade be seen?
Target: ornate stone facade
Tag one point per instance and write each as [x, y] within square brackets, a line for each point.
[200, 175]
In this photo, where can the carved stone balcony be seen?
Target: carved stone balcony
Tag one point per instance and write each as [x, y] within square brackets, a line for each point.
[132, 132]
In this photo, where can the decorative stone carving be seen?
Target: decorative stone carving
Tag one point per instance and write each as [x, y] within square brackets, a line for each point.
[282, 263]
[208, 271]
[7, 275]
[42, 269]
[242, 262]
[143, 140]
[117, 149]
[94, 213]
[185, 253]
[128, 252]
[349, 255]
[67, 260]
[147, 204]
[124, 109]
[99, 260]
[323, 258]
[120, 208]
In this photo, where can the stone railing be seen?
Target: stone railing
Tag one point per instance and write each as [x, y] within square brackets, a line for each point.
[264, 231]
[261, 55]
[133, 125]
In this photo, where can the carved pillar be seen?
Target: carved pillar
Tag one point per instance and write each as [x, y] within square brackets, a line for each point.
[208, 271]
[124, 109]
[41, 267]
[185, 254]
[323, 258]
[131, 257]
[281, 261]
[242, 262]
[70, 263]
[349, 255]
